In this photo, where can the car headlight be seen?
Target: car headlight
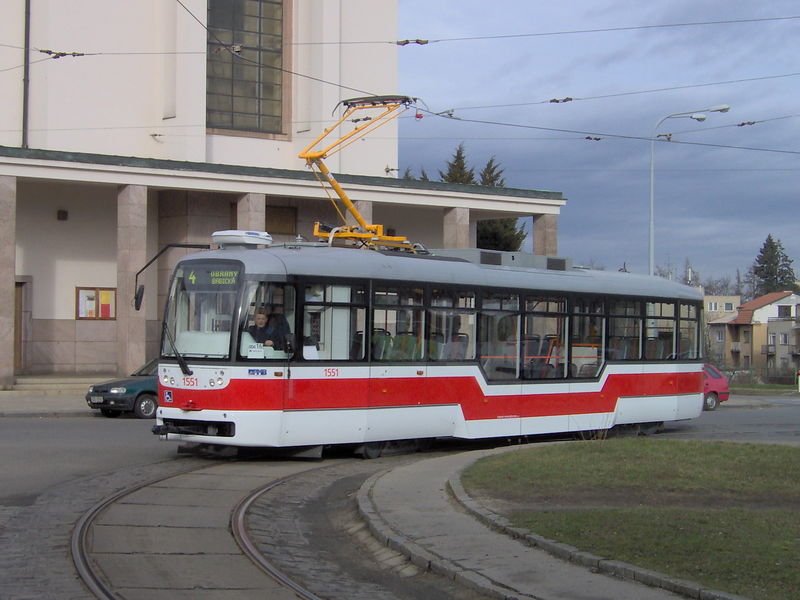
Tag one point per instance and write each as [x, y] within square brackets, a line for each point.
[117, 390]
[91, 389]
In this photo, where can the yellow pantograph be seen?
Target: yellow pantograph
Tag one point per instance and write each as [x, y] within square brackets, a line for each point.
[379, 110]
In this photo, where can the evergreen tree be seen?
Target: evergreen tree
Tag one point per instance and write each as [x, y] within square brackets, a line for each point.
[498, 234]
[408, 173]
[772, 270]
[457, 170]
[492, 174]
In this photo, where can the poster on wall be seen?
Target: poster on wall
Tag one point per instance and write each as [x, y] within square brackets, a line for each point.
[95, 303]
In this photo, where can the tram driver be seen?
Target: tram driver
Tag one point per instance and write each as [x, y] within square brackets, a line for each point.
[269, 329]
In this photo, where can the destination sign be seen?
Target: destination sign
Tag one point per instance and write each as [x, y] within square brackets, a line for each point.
[211, 277]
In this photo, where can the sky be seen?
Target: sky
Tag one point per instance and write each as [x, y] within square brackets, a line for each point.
[720, 187]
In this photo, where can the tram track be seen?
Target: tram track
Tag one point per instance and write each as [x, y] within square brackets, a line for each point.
[295, 526]
[306, 540]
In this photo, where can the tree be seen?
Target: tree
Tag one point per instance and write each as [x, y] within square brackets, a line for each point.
[772, 270]
[457, 170]
[498, 234]
[492, 174]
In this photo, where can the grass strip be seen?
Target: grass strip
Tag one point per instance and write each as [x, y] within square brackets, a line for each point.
[725, 515]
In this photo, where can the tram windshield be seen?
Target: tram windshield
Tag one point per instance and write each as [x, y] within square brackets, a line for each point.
[200, 310]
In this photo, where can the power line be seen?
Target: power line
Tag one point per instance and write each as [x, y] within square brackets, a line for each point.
[424, 42]
[608, 29]
[595, 134]
[631, 93]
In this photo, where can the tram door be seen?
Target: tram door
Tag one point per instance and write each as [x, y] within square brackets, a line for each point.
[398, 373]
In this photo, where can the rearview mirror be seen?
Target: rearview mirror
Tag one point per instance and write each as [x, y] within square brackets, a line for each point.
[138, 297]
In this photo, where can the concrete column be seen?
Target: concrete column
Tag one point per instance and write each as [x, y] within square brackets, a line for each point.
[455, 228]
[8, 221]
[250, 212]
[545, 235]
[131, 256]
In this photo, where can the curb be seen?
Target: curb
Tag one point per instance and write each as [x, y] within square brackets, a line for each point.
[419, 556]
[569, 553]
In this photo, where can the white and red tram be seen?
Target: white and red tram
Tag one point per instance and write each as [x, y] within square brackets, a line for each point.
[367, 346]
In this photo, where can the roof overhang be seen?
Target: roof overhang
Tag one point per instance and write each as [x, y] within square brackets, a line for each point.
[49, 165]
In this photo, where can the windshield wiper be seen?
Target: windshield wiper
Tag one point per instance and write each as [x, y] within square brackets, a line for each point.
[181, 361]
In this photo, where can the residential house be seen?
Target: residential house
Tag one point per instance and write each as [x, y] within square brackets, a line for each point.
[718, 307]
[764, 334]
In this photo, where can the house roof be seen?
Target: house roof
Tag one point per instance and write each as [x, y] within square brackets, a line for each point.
[746, 310]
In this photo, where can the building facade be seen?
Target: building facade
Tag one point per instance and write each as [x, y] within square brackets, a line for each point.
[764, 335]
[173, 120]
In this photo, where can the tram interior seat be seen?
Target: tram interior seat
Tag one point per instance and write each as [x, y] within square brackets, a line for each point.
[381, 344]
[588, 370]
[456, 348]
[437, 347]
[406, 346]
[357, 346]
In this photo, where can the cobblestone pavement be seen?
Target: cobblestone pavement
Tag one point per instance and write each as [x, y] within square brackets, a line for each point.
[35, 558]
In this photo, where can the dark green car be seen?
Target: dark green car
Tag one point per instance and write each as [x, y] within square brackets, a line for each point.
[137, 394]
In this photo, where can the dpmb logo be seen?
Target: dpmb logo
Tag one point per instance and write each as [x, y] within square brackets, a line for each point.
[168, 396]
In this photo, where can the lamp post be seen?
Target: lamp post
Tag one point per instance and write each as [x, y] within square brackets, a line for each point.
[697, 115]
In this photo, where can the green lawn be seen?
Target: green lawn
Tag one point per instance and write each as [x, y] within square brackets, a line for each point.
[725, 515]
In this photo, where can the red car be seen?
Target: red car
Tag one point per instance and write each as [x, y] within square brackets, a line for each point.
[715, 387]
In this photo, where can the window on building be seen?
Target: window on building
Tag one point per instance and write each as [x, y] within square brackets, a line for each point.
[95, 303]
[713, 307]
[729, 307]
[784, 312]
[771, 339]
[720, 334]
[244, 76]
[784, 339]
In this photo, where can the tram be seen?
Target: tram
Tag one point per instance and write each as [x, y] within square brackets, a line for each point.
[362, 337]
[367, 346]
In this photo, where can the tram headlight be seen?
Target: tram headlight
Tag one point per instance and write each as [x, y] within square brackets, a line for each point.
[219, 381]
[210, 383]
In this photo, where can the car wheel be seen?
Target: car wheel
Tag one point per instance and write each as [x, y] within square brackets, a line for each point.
[107, 412]
[145, 407]
[711, 401]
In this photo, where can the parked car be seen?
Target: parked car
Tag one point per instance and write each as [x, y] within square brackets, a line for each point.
[137, 393]
[715, 387]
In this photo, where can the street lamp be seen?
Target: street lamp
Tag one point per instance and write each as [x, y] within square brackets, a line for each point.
[697, 115]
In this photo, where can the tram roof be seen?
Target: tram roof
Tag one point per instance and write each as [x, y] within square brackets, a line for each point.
[397, 267]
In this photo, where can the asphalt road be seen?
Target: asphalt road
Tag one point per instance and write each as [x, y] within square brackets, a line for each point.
[40, 453]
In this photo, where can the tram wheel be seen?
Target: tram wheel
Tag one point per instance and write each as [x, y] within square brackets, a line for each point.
[371, 450]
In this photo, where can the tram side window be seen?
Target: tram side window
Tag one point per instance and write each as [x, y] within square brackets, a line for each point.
[268, 318]
[334, 318]
[500, 336]
[453, 323]
[543, 338]
[624, 330]
[659, 332]
[687, 332]
[587, 332]
[398, 324]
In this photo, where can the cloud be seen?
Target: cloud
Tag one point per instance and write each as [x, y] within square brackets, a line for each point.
[714, 205]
